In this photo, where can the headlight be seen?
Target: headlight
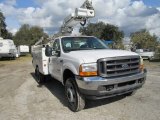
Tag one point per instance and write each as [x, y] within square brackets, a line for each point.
[88, 69]
[141, 67]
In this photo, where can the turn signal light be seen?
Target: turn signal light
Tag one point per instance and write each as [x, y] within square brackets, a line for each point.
[141, 67]
[87, 74]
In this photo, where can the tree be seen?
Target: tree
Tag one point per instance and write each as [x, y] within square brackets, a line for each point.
[94, 29]
[144, 40]
[28, 35]
[111, 32]
[3, 31]
[105, 32]
[36, 34]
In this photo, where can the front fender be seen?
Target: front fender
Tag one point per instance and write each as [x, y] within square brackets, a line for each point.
[73, 68]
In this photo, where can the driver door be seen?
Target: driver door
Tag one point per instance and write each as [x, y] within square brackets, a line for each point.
[55, 61]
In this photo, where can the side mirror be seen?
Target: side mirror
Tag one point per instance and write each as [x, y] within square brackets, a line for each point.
[48, 51]
[57, 53]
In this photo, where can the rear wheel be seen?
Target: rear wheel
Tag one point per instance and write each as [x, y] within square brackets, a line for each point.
[14, 58]
[39, 76]
[76, 101]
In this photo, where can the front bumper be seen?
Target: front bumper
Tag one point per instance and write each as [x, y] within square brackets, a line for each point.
[98, 87]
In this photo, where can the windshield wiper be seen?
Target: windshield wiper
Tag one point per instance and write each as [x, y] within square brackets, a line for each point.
[69, 50]
[86, 48]
[100, 48]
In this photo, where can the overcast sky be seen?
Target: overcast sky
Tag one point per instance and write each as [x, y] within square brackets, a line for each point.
[129, 15]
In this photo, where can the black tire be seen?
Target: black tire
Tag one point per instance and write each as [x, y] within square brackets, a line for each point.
[35, 72]
[150, 59]
[14, 58]
[39, 76]
[76, 101]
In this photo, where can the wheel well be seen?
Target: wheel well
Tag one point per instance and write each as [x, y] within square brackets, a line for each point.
[67, 74]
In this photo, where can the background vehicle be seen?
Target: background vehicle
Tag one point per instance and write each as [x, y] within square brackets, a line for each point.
[7, 48]
[23, 50]
[145, 53]
[156, 56]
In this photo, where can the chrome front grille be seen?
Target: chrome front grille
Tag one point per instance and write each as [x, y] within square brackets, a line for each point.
[118, 66]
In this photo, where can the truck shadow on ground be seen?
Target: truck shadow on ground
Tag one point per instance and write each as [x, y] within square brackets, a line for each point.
[57, 89]
[101, 102]
[7, 59]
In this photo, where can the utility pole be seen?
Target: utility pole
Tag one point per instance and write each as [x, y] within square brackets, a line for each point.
[0, 32]
[0, 26]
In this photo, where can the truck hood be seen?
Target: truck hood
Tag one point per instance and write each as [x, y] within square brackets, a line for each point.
[89, 56]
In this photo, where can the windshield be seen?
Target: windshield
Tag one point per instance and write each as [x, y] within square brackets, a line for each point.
[82, 43]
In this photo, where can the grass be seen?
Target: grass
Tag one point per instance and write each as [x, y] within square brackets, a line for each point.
[16, 61]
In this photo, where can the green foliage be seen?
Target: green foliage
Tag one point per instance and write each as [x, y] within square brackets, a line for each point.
[28, 35]
[3, 31]
[144, 40]
[94, 29]
[105, 32]
[111, 32]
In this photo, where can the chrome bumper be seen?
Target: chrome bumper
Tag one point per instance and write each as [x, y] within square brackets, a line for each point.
[99, 87]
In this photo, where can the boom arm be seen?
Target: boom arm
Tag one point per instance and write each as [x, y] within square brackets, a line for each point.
[81, 15]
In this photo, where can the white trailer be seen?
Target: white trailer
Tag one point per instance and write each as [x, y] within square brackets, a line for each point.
[7, 48]
[23, 50]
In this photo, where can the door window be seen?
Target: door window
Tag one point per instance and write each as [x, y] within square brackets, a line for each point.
[56, 45]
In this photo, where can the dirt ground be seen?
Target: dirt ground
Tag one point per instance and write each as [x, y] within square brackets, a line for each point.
[21, 98]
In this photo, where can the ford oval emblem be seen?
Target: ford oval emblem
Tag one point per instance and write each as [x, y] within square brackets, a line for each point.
[125, 66]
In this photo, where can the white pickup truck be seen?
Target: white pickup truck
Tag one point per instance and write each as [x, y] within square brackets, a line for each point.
[88, 68]
[145, 53]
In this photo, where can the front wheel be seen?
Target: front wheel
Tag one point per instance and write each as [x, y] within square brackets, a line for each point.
[76, 101]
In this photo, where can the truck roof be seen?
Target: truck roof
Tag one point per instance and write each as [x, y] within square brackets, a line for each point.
[74, 36]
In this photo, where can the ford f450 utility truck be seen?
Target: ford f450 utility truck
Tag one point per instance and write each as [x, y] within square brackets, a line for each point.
[88, 69]
[85, 65]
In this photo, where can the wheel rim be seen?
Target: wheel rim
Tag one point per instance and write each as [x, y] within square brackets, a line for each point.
[71, 96]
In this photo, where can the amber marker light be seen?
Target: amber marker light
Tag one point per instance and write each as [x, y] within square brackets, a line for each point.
[87, 70]
[141, 66]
